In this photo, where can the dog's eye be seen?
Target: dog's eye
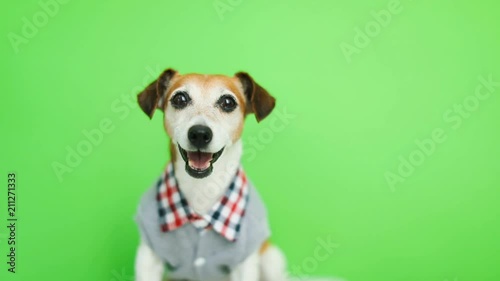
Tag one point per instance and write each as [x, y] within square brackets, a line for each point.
[227, 103]
[180, 100]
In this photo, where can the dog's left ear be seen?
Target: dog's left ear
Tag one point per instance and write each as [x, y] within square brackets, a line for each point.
[259, 101]
[149, 99]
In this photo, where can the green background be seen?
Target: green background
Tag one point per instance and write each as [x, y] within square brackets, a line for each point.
[323, 174]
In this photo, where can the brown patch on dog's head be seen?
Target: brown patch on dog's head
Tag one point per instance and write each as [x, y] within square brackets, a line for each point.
[207, 81]
[204, 92]
[254, 97]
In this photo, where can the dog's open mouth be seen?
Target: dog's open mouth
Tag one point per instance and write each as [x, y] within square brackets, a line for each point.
[198, 163]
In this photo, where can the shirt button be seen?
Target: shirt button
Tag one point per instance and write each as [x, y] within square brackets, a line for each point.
[199, 262]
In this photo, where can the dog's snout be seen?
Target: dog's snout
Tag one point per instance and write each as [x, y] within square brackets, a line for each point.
[200, 136]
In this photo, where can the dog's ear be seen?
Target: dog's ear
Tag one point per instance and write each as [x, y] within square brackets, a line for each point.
[259, 101]
[150, 97]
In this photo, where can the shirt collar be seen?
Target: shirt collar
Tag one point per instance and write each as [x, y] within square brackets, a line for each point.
[224, 217]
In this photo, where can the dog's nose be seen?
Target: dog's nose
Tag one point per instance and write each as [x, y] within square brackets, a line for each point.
[200, 136]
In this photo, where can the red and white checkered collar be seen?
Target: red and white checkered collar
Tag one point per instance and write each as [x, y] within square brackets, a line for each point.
[225, 217]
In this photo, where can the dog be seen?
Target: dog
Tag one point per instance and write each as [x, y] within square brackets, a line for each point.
[203, 220]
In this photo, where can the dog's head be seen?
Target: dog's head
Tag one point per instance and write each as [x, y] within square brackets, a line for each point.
[204, 114]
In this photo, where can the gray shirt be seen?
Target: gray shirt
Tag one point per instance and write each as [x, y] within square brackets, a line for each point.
[194, 255]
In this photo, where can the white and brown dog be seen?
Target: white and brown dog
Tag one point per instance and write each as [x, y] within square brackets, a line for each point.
[205, 222]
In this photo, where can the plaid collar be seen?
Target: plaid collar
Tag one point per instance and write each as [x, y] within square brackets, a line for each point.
[225, 217]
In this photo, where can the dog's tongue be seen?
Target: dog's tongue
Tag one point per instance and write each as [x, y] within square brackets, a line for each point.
[199, 160]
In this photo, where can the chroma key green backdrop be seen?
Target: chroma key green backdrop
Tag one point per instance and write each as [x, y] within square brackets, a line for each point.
[385, 141]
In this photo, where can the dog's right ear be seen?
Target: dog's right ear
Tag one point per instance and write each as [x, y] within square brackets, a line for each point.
[151, 96]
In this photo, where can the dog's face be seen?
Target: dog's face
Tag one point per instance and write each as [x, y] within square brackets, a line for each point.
[204, 114]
